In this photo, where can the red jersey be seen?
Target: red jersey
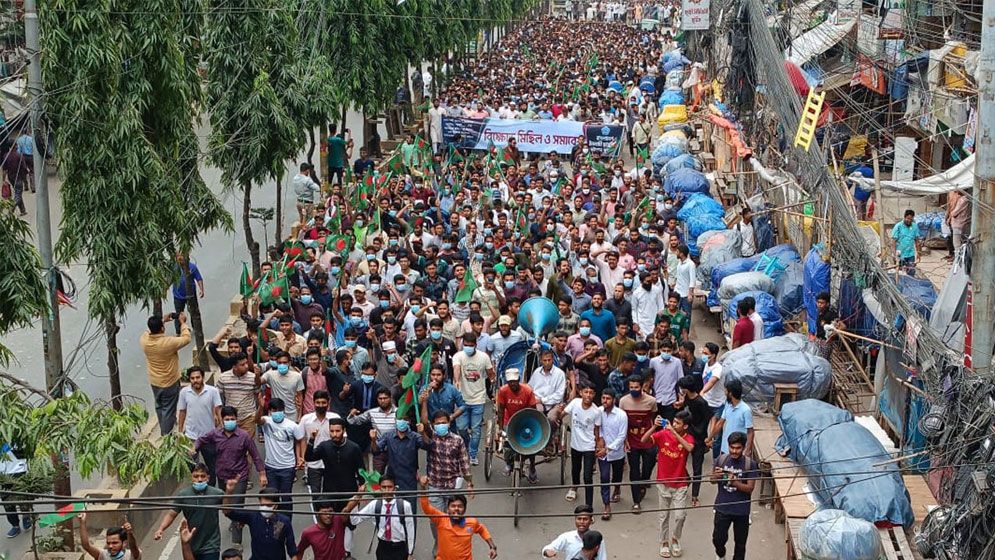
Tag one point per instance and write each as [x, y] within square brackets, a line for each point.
[640, 415]
[743, 332]
[512, 402]
[671, 459]
[328, 544]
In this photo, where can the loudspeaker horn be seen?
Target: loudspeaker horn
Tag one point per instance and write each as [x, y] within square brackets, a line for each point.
[538, 316]
[528, 431]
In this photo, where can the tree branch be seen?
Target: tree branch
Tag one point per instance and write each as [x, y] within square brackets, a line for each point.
[25, 386]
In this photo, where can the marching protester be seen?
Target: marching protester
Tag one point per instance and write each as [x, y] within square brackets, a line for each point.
[120, 543]
[206, 542]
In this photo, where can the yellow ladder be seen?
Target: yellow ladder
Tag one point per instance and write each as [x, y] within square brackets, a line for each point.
[809, 120]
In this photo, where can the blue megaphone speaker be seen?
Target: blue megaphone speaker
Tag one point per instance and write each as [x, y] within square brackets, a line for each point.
[538, 316]
[528, 431]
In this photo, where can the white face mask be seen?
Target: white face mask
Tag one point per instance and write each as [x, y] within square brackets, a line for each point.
[266, 511]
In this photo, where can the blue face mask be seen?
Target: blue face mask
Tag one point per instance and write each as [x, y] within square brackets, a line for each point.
[230, 425]
[335, 270]
[585, 331]
[641, 267]
[356, 321]
[371, 257]
[488, 245]
[277, 416]
[627, 282]
[283, 369]
[306, 299]
[402, 288]
[441, 430]
[391, 259]
[273, 364]
[403, 425]
[374, 288]
[635, 393]
[509, 285]
[665, 356]
[479, 256]
[367, 379]
[447, 246]
[391, 357]
[470, 350]
[642, 358]
[384, 304]
[488, 231]
[415, 308]
[200, 486]
[350, 344]
[583, 261]
[436, 335]
[393, 214]
[546, 256]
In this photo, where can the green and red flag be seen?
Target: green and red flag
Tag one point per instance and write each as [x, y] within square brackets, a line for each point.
[375, 224]
[557, 186]
[522, 223]
[396, 163]
[272, 291]
[466, 288]
[341, 244]
[293, 248]
[412, 381]
[454, 155]
[64, 513]
[246, 286]
[643, 154]
[371, 479]
[503, 157]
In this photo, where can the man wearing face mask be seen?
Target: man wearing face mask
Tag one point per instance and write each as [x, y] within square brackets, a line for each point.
[400, 450]
[359, 354]
[317, 420]
[234, 449]
[117, 538]
[285, 383]
[304, 306]
[647, 302]
[472, 370]
[197, 503]
[450, 464]
[667, 371]
[389, 363]
[283, 438]
[271, 533]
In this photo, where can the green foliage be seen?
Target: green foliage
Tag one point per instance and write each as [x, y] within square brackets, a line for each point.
[22, 290]
[97, 438]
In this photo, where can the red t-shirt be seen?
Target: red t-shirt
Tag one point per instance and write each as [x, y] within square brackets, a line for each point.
[512, 402]
[327, 544]
[743, 333]
[671, 459]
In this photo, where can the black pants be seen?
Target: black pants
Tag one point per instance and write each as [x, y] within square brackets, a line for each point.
[387, 550]
[335, 175]
[610, 471]
[641, 463]
[315, 479]
[666, 411]
[697, 461]
[180, 305]
[577, 458]
[11, 510]
[740, 531]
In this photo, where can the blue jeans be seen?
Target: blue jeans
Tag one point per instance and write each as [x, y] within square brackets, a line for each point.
[685, 305]
[282, 480]
[717, 442]
[471, 419]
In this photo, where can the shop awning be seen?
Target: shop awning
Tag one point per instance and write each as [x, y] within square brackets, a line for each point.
[960, 176]
[817, 40]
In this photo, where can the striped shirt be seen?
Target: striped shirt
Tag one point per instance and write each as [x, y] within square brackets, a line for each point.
[239, 392]
[385, 421]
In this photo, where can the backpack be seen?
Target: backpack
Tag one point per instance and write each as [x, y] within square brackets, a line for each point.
[377, 511]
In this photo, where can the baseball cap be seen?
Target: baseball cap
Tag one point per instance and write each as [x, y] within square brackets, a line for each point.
[512, 374]
[504, 320]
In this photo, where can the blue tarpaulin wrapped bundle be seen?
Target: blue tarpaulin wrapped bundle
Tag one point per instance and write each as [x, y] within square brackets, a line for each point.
[844, 462]
[646, 85]
[672, 96]
[919, 292]
[689, 161]
[766, 307]
[699, 204]
[686, 181]
[783, 359]
[817, 277]
[716, 247]
[929, 222]
[789, 290]
[785, 254]
[750, 281]
[832, 534]
[662, 154]
[697, 225]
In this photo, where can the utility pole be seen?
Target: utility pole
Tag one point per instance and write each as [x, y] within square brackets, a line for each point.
[50, 325]
[983, 263]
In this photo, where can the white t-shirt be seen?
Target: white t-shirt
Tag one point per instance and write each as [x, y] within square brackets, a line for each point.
[310, 423]
[748, 247]
[285, 387]
[200, 410]
[473, 375]
[758, 326]
[716, 396]
[280, 440]
[582, 423]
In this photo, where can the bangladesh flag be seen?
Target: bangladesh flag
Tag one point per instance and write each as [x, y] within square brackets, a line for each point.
[454, 156]
[371, 479]
[246, 286]
[557, 186]
[293, 248]
[592, 60]
[522, 223]
[411, 381]
[271, 292]
[396, 163]
[64, 513]
[466, 287]
[503, 157]
[642, 154]
[341, 244]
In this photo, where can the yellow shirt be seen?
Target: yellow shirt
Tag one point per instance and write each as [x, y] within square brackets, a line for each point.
[161, 356]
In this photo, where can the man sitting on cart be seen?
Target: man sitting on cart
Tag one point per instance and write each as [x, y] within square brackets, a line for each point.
[511, 398]
[550, 385]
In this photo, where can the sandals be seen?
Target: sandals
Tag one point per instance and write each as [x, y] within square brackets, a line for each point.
[606, 516]
[571, 495]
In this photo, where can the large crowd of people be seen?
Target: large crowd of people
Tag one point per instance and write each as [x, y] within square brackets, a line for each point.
[418, 271]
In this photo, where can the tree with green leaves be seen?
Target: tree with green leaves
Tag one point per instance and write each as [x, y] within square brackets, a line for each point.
[250, 52]
[120, 94]
[22, 291]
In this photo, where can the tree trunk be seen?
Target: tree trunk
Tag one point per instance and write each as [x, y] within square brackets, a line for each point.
[250, 241]
[196, 324]
[157, 307]
[322, 151]
[344, 126]
[311, 146]
[369, 131]
[62, 487]
[113, 367]
[279, 208]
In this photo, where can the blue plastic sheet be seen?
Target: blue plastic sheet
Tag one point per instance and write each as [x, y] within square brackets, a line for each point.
[684, 160]
[697, 225]
[817, 276]
[929, 221]
[699, 204]
[789, 289]
[767, 308]
[615, 85]
[832, 534]
[673, 64]
[844, 462]
[919, 292]
[686, 181]
[671, 96]
[785, 253]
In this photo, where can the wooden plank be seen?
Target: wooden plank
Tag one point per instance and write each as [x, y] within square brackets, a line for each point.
[920, 495]
[793, 532]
